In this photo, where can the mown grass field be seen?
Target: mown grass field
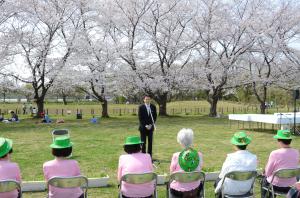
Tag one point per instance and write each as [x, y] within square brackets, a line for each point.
[98, 146]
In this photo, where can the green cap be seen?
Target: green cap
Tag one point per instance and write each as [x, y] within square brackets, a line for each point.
[188, 159]
[5, 146]
[131, 140]
[240, 139]
[61, 142]
[283, 134]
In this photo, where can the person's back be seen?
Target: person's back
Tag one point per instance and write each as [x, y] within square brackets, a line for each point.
[279, 159]
[135, 163]
[175, 167]
[8, 170]
[62, 167]
[242, 160]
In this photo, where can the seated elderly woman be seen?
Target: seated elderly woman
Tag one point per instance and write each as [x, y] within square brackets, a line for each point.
[240, 160]
[8, 170]
[186, 161]
[135, 162]
[63, 167]
[284, 157]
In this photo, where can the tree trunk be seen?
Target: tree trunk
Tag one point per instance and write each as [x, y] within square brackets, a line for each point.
[213, 101]
[162, 102]
[262, 108]
[64, 99]
[213, 107]
[4, 96]
[104, 109]
[40, 106]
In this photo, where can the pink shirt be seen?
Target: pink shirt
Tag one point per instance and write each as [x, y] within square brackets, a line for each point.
[135, 163]
[176, 168]
[65, 168]
[9, 170]
[282, 158]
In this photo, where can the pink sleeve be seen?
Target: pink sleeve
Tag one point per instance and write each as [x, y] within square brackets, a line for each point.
[173, 163]
[270, 165]
[45, 172]
[120, 169]
[150, 163]
[77, 169]
[18, 173]
[201, 159]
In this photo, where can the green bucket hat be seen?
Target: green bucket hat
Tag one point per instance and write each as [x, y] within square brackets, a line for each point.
[5, 146]
[188, 159]
[61, 142]
[131, 140]
[284, 135]
[240, 139]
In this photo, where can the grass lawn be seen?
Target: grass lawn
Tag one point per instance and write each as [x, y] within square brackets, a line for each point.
[98, 147]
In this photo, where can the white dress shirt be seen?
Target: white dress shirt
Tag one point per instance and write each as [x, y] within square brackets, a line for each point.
[241, 160]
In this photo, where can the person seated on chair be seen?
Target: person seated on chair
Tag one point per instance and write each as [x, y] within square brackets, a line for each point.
[62, 167]
[284, 157]
[240, 160]
[186, 161]
[14, 117]
[8, 170]
[135, 162]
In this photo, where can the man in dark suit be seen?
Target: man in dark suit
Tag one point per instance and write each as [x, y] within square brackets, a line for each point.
[147, 118]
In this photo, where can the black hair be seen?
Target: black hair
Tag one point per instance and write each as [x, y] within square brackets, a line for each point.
[146, 95]
[9, 152]
[134, 148]
[285, 141]
[241, 147]
[12, 112]
[64, 152]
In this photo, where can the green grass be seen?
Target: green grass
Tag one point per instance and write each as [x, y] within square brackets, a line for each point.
[98, 147]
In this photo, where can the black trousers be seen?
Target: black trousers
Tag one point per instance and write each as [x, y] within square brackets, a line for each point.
[147, 134]
[265, 194]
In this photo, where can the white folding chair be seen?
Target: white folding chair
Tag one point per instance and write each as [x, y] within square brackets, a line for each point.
[69, 182]
[10, 185]
[240, 176]
[187, 177]
[139, 178]
[284, 173]
[60, 132]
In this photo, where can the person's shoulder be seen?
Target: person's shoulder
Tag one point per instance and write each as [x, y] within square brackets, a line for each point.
[48, 163]
[176, 155]
[13, 164]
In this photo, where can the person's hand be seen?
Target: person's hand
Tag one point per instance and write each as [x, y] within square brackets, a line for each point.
[148, 127]
[297, 185]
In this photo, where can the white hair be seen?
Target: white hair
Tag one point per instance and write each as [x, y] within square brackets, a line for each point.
[185, 137]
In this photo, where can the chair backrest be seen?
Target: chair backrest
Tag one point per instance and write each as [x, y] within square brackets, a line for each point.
[286, 173]
[240, 176]
[9, 185]
[69, 182]
[60, 132]
[187, 177]
[139, 178]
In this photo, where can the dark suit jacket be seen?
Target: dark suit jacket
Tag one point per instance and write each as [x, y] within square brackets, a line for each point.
[144, 118]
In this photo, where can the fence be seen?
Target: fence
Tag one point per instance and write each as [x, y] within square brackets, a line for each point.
[170, 111]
